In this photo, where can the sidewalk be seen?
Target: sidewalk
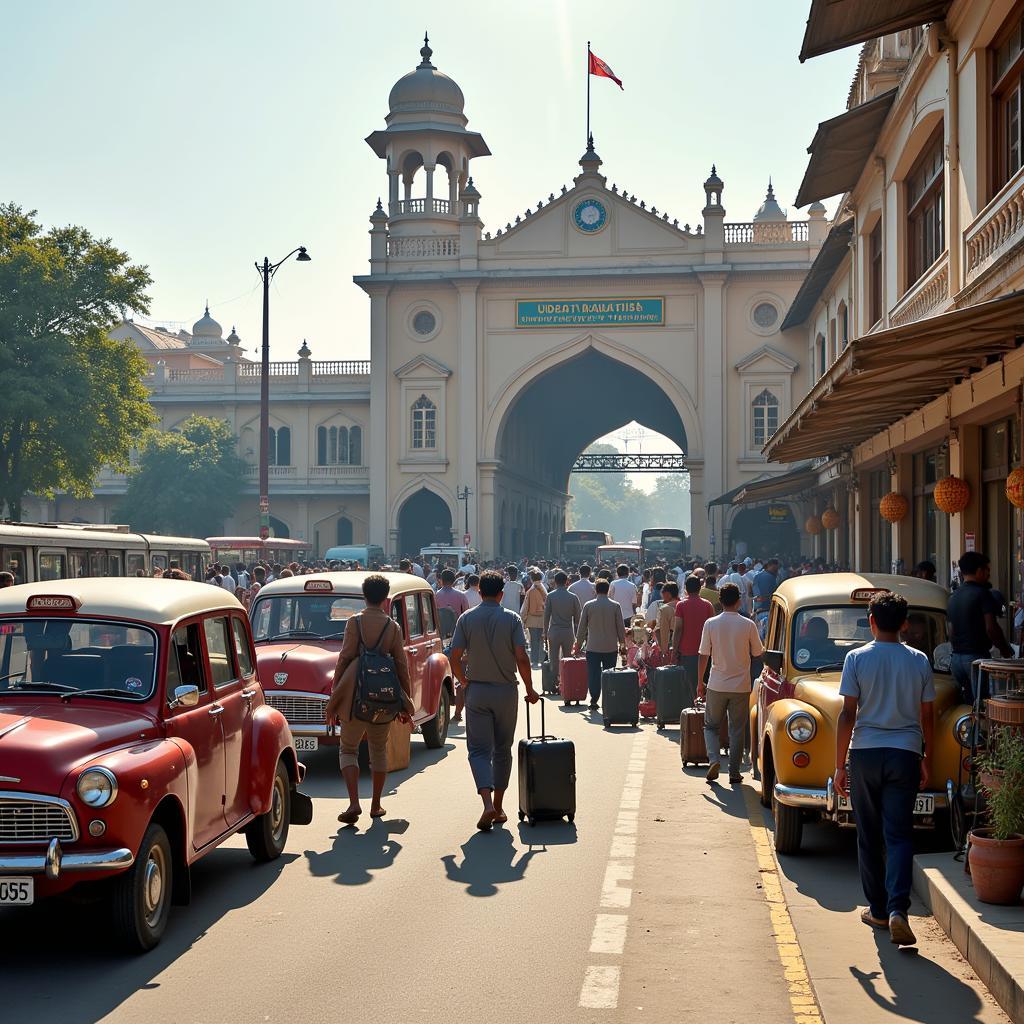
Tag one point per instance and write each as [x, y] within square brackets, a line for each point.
[990, 938]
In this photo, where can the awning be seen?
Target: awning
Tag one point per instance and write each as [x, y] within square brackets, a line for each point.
[880, 378]
[840, 149]
[832, 252]
[726, 499]
[833, 24]
[802, 477]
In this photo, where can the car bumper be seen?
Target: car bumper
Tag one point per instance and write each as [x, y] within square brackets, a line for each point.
[809, 798]
[53, 862]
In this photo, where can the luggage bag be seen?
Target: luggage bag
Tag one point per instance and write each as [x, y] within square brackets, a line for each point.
[572, 683]
[692, 747]
[620, 697]
[548, 683]
[547, 775]
[669, 692]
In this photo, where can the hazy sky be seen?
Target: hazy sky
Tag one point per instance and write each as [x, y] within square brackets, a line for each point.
[202, 135]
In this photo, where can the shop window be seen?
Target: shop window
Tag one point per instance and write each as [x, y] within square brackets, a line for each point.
[875, 273]
[424, 424]
[1007, 61]
[926, 239]
[764, 418]
[930, 527]
[1000, 447]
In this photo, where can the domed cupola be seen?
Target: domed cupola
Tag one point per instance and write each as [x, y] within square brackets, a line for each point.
[426, 91]
[206, 330]
[770, 210]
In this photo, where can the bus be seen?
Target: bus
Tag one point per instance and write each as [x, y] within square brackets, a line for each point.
[616, 554]
[62, 551]
[663, 545]
[365, 554]
[581, 545]
[253, 549]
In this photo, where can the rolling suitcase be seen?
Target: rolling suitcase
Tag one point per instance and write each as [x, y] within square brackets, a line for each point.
[548, 682]
[620, 697]
[692, 747]
[547, 775]
[572, 683]
[669, 692]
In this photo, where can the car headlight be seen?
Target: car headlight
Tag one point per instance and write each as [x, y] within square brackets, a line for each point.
[964, 730]
[800, 727]
[97, 787]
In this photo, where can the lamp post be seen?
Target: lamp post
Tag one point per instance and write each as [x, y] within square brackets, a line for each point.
[267, 271]
[463, 494]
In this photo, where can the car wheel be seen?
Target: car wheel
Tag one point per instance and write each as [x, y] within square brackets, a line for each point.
[141, 901]
[267, 835]
[767, 779]
[435, 732]
[789, 827]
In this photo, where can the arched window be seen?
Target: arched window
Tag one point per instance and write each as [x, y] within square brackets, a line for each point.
[344, 533]
[321, 446]
[271, 447]
[424, 424]
[332, 447]
[342, 446]
[844, 326]
[355, 446]
[821, 354]
[764, 418]
[284, 446]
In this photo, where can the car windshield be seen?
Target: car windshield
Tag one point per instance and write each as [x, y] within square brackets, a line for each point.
[301, 616]
[69, 656]
[822, 637]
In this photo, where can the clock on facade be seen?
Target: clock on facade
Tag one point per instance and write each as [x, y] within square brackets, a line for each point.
[590, 215]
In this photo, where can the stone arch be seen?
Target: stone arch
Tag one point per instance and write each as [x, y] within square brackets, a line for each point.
[423, 517]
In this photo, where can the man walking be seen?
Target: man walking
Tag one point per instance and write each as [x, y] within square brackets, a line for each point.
[448, 597]
[583, 588]
[729, 641]
[764, 584]
[603, 632]
[888, 715]
[562, 611]
[690, 615]
[492, 639]
[624, 593]
[512, 596]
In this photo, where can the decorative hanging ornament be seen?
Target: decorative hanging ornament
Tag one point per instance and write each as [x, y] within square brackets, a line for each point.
[1015, 487]
[952, 494]
[813, 525]
[830, 518]
[893, 507]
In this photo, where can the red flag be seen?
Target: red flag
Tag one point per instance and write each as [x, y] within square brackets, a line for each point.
[599, 68]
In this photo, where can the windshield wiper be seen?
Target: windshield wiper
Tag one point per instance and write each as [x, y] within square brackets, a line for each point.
[287, 633]
[102, 692]
[41, 685]
[828, 668]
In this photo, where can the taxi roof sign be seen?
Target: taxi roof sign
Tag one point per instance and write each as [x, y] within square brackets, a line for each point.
[319, 586]
[866, 593]
[52, 603]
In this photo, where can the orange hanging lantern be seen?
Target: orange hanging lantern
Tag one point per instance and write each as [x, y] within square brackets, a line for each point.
[812, 525]
[952, 494]
[894, 507]
[1015, 487]
[830, 518]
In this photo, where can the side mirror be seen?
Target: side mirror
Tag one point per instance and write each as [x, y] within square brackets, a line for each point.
[185, 697]
[773, 660]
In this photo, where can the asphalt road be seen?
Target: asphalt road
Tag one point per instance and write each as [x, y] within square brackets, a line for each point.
[661, 903]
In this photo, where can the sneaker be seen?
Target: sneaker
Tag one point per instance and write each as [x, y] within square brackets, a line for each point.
[900, 931]
[712, 773]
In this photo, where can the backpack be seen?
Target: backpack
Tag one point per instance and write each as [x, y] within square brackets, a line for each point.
[378, 692]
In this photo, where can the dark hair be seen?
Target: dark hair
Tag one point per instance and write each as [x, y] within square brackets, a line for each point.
[658, 575]
[405, 565]
[447, 577]
[376, 588]
[601, 586]
[622, 570]
[585, 571]
[971, 561]
[889, 611]
[771, 561]
[672, 588]
[472, 580]
[561, 578]
[729, 595]
[711, 568]
[492, 583]
[692, 584]
[925, 568]
[512, 571]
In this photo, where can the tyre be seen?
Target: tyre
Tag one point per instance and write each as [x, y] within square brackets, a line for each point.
[767, 779]
[267, 835]
[141, 902]
[789, 827]
[435, 732]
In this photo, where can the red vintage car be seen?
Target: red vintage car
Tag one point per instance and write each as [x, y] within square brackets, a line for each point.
[134, 739]
[299, 623]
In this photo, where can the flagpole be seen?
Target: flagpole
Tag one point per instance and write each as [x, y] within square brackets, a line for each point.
[587, 141]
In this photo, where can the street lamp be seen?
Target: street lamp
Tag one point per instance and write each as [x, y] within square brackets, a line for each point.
[267, 272]
[463, 494]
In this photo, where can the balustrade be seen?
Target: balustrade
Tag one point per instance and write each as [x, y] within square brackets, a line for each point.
[766, 232]
[925, 296]
[423, 246]
[996, 229]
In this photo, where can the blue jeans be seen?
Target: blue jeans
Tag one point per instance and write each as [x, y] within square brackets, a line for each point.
[960, 666]
[597, 662]
[883, 787]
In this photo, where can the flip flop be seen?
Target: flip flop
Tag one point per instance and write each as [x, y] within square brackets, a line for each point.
[378, 814]
[500, 819]
[876, 922]
[487, 819]
[349, 817]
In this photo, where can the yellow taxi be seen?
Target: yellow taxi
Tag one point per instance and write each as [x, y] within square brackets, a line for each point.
[814, 622]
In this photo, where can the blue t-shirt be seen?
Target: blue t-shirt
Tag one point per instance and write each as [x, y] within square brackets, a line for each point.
[890, 681]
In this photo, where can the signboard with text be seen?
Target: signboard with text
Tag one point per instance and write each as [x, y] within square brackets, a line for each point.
[624, 312]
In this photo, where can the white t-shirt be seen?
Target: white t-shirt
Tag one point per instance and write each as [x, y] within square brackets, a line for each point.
[745, 582]
[228, 583]
[623, 593]
[473, 598]
[732, 641]
[512, 598]
[584, 590]
[469, 568]
[417, 570]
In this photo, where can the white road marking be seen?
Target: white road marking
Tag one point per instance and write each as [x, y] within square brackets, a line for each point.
[623, 847]
[609, 934]
[600, 988]
[613, 895]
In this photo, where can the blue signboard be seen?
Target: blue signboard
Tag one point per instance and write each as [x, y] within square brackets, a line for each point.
[590, 312]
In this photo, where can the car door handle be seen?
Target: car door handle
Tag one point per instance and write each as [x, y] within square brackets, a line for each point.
[248, 695]
[216, 710]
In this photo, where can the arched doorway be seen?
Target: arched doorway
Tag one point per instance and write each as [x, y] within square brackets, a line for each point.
[763, 531]
[344, 532]
[278, 528]
[423, 519]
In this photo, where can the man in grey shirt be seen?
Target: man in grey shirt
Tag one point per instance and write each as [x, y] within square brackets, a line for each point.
[583, 588]
[603, 632]
[492, 639]
[562, 612]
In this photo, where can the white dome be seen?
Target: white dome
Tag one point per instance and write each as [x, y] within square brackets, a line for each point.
[770, 210]
[207, 327]
[426, 89]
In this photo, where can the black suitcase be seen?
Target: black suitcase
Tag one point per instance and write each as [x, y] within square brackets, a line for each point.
[670, 693]
[620, 697]
[548, 679]
[547, 775]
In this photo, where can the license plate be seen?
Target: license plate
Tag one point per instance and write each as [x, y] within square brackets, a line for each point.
[922, 805]
[306, 743]
[17, 891]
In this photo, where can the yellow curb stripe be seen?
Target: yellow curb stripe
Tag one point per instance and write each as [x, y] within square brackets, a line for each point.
[802, 999]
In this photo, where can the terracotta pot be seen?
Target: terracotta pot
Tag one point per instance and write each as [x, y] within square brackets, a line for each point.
[997, 867]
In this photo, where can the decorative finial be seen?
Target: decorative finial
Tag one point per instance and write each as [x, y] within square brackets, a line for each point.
[379, 206]
[713, 171]
[426, 52]
[771, 191]
[207, 311]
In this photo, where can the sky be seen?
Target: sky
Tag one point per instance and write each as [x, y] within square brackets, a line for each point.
[201, 136]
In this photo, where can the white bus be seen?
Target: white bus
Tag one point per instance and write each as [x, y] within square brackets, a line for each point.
[60, 551]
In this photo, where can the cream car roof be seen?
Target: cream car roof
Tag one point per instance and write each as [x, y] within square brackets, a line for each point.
[344, 583]
[158, 601]
[835, 588]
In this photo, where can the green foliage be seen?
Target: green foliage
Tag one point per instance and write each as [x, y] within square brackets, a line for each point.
[187, 481]
[73, 399]
[1005, 760]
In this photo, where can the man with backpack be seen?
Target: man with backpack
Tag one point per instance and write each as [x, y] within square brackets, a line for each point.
[494, 644]
[371, 689]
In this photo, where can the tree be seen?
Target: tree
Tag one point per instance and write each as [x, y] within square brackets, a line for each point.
[187, 481]
[73, 398]
[608, 501]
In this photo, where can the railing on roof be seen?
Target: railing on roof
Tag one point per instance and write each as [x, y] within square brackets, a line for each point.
[423, 246]
[276, 370]
[190, 376]
[341, 367]
[766, 232]
[401, 207]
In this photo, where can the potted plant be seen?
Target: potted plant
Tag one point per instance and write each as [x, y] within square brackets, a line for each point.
[996, 854]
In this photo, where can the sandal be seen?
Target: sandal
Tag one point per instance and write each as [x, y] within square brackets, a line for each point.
[876, 922]
[379, 813]
[487, 819]
[500, 818]
[349, 817]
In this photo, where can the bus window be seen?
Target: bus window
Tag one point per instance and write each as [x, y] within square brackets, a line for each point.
[114, 563]
[78, 565]
[97, 563]
[52, 566]
[136, 563]
[159, 561]
[12, 560]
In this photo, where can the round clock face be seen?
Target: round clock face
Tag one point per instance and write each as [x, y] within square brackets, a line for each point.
[590, 215]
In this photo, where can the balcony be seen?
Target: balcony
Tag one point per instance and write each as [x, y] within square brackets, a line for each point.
[423, 247]
[996, 230]
[926, 297]
[420, 207]
[276, 472]
[235, 377]
[336, 472]
[767, 233]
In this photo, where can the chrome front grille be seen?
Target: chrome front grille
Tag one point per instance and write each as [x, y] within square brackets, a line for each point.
[27, 818]
[299, 708]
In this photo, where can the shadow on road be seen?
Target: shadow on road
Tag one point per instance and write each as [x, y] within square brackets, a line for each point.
[357, 853]
[728, 797]
[488, 860]
[547, 833]
[96, 975]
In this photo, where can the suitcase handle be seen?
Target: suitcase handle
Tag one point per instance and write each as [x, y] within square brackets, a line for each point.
[529, 735]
